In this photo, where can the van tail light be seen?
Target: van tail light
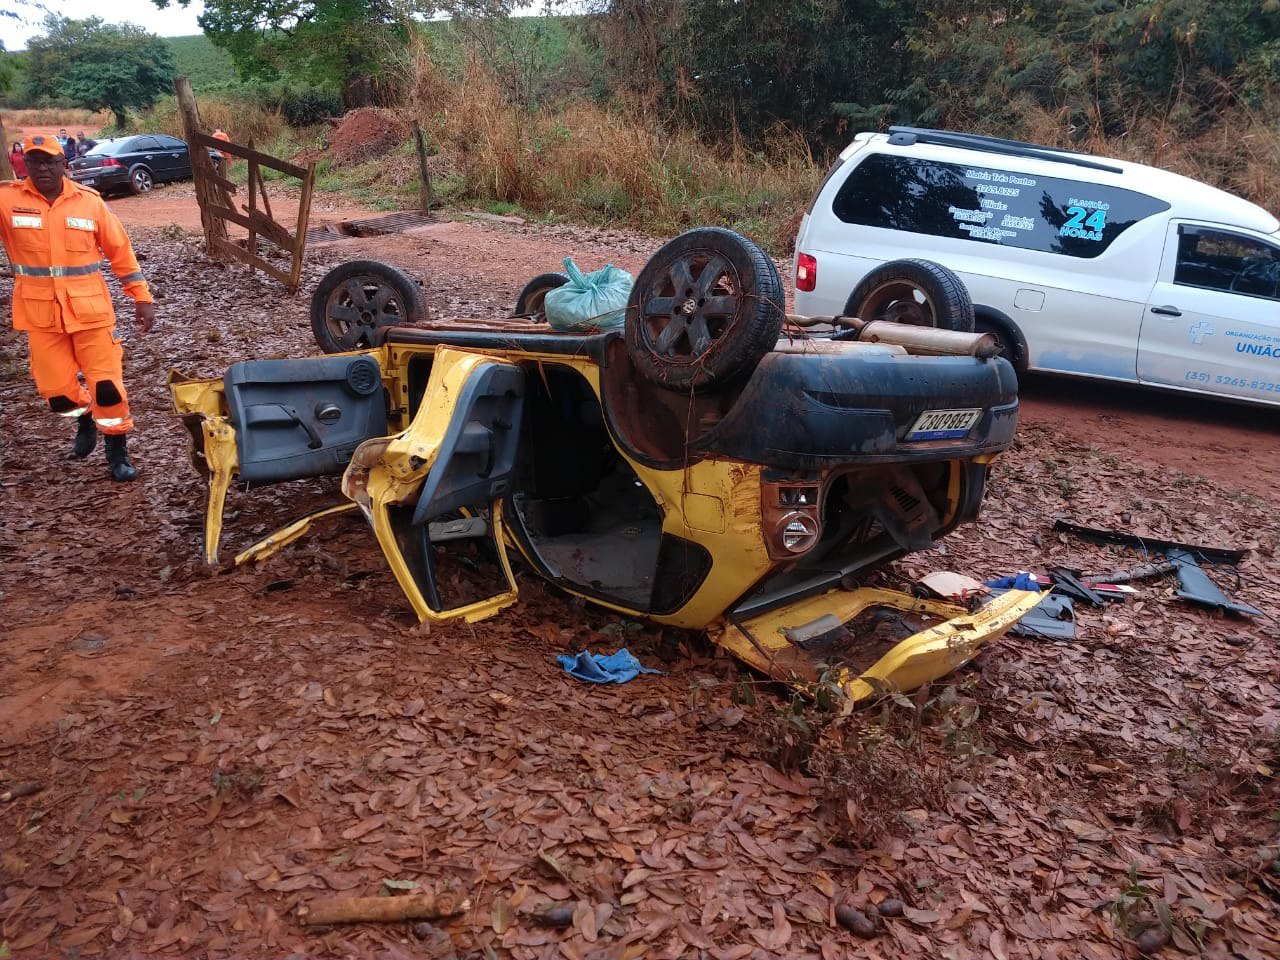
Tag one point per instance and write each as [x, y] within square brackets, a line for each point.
[806, 272]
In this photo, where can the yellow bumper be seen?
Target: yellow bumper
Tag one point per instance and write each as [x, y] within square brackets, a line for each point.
[856, 659]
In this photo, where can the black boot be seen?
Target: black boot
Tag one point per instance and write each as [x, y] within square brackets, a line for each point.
[118, 458]
[86, 436]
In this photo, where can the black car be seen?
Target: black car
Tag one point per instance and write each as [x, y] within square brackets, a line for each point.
[135, 164]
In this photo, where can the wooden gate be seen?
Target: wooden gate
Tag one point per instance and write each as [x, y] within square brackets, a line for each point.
[215, 194]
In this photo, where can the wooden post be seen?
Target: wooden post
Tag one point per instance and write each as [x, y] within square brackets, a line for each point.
[252, 246]
[6, 168]
[304, 217]
[426, 196]
[207, 192]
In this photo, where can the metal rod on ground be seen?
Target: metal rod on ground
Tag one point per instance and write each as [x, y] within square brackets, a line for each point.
[207, 193]
[426, 196]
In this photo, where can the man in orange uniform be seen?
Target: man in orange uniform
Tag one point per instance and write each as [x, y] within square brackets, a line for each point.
[56, 233]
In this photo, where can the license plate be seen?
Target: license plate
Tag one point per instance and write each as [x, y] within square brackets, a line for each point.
[944, 424]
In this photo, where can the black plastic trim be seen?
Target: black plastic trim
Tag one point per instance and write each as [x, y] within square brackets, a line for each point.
[908, 136]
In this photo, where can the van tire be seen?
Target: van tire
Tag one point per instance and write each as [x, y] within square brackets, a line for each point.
[704, 310]
[355, 300]
[530, 305]
[1013, 345]
[918, 292]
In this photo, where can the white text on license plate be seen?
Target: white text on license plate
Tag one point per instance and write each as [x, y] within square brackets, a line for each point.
[944, 424]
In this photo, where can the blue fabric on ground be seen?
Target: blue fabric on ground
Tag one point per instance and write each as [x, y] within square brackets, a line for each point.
[597, 668]
[1021, 581]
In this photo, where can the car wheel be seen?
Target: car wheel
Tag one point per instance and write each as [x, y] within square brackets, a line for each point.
[354, 300]
[140, 180]
[704, 310]
[529, 305]
[917, 292]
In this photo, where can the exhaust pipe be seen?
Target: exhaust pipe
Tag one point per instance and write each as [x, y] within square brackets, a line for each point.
[924, 341]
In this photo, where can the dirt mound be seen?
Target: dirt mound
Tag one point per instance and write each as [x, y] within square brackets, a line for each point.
[365, 134]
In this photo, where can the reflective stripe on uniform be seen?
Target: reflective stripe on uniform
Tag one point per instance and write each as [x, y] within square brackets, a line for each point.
[84, 271]
[108, 421]
[132, 277]
[78, 411]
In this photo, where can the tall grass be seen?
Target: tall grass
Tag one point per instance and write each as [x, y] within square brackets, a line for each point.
[598, 165]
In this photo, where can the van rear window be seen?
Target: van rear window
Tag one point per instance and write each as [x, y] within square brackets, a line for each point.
[1069, 217]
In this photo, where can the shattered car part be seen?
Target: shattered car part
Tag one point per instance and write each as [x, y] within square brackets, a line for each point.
[1194, 584]
[738, 506]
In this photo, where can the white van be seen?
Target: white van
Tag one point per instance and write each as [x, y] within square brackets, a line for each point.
[1078, 264]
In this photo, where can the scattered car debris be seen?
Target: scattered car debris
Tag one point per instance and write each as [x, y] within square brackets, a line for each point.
[1184, 560]
[946, 585]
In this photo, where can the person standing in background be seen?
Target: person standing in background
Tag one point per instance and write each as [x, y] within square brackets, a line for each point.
[56, 233]
[84, 145]
[18, 161]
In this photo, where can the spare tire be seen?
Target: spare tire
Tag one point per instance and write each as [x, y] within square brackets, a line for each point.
[354, 300]
[529, 305]
[704, 310]
[918, 292]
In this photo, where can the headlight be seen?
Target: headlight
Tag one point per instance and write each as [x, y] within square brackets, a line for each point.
[797, 532]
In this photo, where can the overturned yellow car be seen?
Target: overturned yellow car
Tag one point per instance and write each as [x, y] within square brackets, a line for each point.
[707, 467]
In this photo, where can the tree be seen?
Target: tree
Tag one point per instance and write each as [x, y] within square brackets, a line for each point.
[99, 65]
[321, 41]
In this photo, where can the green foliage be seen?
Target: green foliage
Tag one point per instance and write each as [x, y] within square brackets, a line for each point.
[320, 42]
[206, 66]
[99, 65]
[1098, 64]
[748, 66]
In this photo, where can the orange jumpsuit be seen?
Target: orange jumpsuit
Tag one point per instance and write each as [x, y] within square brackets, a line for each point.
[61, 299]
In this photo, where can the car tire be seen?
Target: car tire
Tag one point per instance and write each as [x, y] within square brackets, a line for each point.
[529, 305]
[140, 180]
[704, 310]
[918, 292]
[355, 300]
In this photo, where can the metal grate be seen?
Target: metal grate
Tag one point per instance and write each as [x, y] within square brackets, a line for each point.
[391, 223]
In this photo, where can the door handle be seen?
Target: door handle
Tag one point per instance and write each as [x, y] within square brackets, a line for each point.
[1167, 311]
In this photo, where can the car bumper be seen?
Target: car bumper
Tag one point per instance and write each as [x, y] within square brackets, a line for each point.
[100, 180]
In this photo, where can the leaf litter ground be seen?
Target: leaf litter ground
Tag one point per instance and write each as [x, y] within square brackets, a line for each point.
[218, 747]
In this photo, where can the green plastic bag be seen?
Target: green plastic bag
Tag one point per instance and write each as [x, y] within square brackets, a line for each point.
[589, 301]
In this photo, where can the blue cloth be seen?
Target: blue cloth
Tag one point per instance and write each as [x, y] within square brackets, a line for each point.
[598, 668]
[1021, 581]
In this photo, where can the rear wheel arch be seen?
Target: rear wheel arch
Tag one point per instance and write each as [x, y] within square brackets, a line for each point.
[1012, 340]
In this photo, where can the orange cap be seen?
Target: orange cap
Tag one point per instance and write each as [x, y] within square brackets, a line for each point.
[42, 143]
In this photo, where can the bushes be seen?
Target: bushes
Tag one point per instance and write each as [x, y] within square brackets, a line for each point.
[307, 106]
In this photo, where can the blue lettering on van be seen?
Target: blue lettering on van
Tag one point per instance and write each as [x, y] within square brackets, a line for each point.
[1083, 224]
[1257, 349]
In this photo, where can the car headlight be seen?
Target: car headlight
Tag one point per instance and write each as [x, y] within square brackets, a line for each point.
[797, 532]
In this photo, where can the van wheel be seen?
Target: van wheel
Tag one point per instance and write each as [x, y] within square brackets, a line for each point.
[1010, 346]
[355, 300]
[530, 303]
[704, 310]
[918, 292]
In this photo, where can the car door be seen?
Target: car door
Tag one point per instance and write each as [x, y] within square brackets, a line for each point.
[1213, 321]
[177, 160]
[146, 151]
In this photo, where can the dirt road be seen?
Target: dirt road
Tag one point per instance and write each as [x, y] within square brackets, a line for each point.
[216, 747]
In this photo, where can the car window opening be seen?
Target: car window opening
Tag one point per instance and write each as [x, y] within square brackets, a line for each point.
[588, 517]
